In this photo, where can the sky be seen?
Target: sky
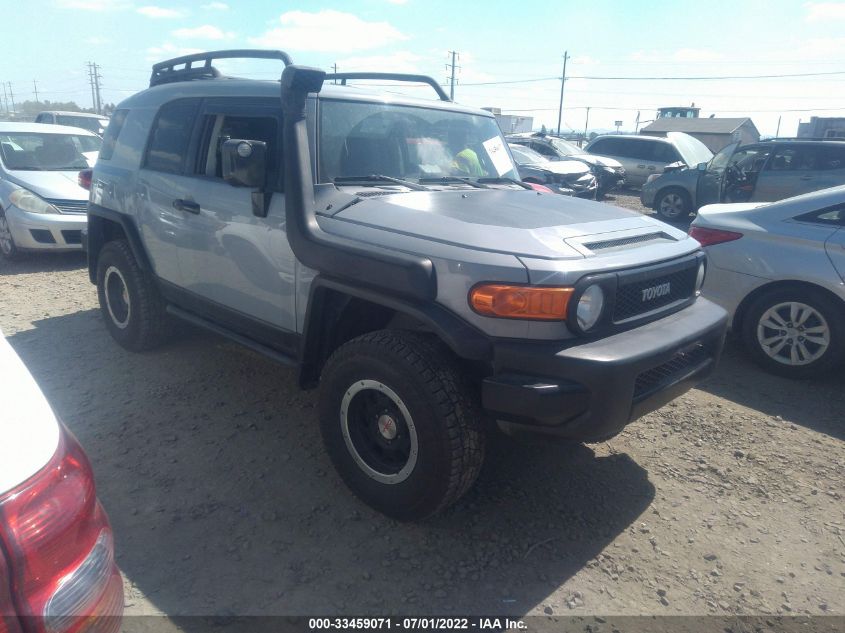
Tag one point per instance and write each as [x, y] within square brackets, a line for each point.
[510, 54]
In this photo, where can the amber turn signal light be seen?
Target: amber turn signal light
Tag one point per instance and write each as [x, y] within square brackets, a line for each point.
[520, 302]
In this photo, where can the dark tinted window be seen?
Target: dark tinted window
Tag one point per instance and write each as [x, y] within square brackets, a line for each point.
[831, 215]
[795, 158]
[544, 149]
[607, 146]
[170, 137]
[112, 132]
[831, 157]
[664, 153]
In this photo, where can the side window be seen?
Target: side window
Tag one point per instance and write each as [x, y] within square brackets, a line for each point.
[794, 159]
[607, 146]
[171, 134]
[664, 153]
[543, 149]
[40, 118]
[831, 157]
[831, 215]
[223, 127]
[112, 132]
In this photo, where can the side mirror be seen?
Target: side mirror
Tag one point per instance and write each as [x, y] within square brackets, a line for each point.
[702, 166]
[245, 163]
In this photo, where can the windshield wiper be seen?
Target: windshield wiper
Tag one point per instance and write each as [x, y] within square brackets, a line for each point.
[379, 178]
[498, 180]
[452, 179]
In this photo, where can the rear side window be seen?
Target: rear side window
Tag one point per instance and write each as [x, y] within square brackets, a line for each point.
[606, 146]
[171, 134]
[832, 215]
[112, 132]
[664, 153]
[800, 158]
[831, 157]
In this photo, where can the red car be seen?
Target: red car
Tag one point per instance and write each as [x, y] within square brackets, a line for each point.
[57, 568]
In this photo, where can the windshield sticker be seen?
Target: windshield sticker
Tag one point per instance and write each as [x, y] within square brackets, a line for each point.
[498, 154]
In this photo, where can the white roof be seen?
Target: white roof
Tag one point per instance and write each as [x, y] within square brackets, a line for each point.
[41, 128]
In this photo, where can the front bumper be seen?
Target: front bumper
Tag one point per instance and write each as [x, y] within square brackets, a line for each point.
[43, 231]
[591, 391]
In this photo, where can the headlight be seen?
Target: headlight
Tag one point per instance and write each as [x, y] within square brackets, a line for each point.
[590, 307]
[699, 278]
[27, 201]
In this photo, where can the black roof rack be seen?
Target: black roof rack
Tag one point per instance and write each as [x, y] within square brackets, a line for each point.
[166, 72]
[423, 79]
[805, 138]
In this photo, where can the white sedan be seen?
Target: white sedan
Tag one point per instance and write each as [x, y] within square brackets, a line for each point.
[57, 540]
[779, 270]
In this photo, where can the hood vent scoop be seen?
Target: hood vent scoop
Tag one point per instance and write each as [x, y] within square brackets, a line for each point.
[628, 241]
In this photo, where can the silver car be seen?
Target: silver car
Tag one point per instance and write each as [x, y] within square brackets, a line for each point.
[42, 206]
[779, 270]
[643, 156]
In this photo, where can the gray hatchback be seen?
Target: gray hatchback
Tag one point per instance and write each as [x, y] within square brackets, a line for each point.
[761, 172]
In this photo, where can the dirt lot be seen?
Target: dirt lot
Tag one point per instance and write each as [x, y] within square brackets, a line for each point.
[209, 462]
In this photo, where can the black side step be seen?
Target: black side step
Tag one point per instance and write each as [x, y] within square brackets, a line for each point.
[262, 349]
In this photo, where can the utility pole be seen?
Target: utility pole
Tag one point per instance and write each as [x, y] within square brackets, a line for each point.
[777, 132]
[334, 68]
[35, 89]
[587, 124]
[562, 82]
[5, 100]
[455, 55]
[91, 83]
[97, 78]
[637, 126]
[11, 96]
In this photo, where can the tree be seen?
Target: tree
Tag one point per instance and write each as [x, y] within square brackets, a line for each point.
[543, 129]
[31, 108]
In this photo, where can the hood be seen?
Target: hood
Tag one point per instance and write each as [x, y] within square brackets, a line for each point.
[28, 427]
[522, 223]
[58, 185]
[562, 167]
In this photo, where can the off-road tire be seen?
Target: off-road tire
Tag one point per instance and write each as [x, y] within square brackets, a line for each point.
[146, 325]
[831, 311]
[444, 408]
[11, 252]
[682, 204]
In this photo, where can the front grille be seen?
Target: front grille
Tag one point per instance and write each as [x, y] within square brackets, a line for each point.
[671, 371]
[70, 206]
[627, 241]
[657, 290]
[72, 237]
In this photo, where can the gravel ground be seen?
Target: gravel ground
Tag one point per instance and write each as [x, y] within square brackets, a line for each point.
[209, 463]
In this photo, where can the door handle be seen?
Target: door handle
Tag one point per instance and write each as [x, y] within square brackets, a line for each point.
[641, 166]
[652, 167]
[186, 205]
[806, 178]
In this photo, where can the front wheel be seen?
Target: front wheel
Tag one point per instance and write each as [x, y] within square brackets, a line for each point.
[8, 249]
[796, 333]
[400, 423]
[673, 204]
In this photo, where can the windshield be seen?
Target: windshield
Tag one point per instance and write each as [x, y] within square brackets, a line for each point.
[692, 150]
[525, 156]
[565, 148]
[86, 123]
[357, 140]
[48, 152]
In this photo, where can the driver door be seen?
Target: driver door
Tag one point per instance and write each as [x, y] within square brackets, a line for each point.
[711, 182]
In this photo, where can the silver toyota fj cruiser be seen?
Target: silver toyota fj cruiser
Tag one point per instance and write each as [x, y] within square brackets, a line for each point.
[384, 247]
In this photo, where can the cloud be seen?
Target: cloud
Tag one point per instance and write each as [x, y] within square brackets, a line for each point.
[91, 5]
[159, 12]
[327, 31]
[824, 11]
[95, 40]
[204, 32]
[169, 50]
[216, 6]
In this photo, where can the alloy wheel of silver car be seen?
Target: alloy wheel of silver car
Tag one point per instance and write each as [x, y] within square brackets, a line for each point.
[672, 205]
[379, 431]
[117, 297]
[6, 243]
[793, 333]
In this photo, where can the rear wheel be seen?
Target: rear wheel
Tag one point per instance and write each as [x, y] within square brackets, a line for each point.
[797, 333]
[673, 204]
[400, 424]
[129, 300]
[7, 243]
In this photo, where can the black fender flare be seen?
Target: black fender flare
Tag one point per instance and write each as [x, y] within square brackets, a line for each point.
[97, 237]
